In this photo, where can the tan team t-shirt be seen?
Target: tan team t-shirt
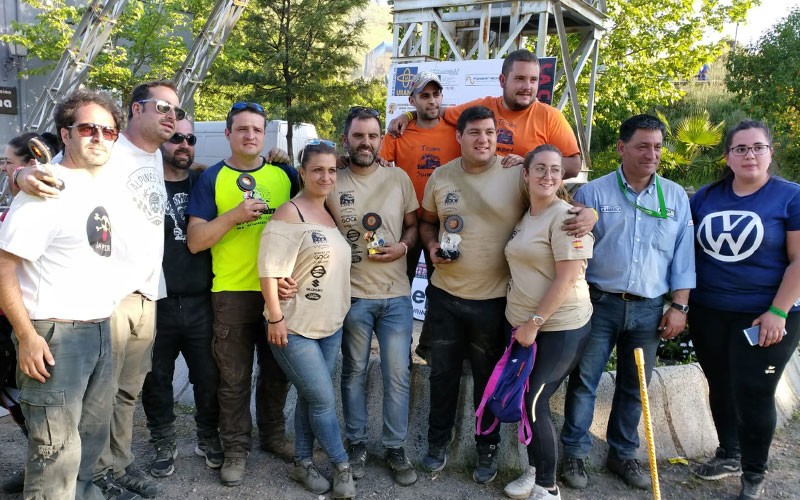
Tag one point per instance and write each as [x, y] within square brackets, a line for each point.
[535, 246]
[389, 193]
[489, 204]
[318, 259]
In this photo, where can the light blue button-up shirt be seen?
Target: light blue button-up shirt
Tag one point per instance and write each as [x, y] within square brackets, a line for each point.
[635, 252]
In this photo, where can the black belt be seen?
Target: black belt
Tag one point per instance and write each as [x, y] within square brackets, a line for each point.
[627, 297]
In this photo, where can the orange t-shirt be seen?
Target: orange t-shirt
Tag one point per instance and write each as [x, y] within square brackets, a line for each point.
[519, 132]
[420, 150]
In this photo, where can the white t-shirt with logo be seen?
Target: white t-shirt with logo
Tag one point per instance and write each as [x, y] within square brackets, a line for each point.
[135, 178]
[68, 246]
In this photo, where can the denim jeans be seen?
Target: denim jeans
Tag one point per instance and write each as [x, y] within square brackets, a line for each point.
[69, 416]
[392, 322]
[309, 364]
[627, 325]
[133, 326]
[183, 325]
[461, 328]
[239, 330]
[742, 380]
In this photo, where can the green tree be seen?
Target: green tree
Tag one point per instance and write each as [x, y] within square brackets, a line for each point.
[298, 57]
[766, 77]
[689, 154]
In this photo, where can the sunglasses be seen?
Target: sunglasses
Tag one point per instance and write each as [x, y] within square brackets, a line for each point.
[163, 107]
[178, 138]
[354, 110]
[91, 129]
[317, 142]
[241, 105]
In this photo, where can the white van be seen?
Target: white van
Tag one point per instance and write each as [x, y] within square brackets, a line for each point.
[212, 146]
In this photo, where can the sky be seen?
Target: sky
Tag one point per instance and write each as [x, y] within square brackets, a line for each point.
[760, 19]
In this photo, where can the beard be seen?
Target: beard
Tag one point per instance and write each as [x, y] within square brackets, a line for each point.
[181, 163]
[361, 157]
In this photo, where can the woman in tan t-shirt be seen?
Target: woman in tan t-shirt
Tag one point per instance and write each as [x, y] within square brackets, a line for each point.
[302, 244]
[548, 302]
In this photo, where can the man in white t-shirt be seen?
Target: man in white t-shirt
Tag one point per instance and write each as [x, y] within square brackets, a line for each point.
[58, 287]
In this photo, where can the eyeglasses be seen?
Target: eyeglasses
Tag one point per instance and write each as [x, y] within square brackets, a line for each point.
[178, 138]
[164, 107]
[361, 109]
[4, 161]
[540, 171]
[239, 106]
[317, 142]
[758, 150]
[91, 129]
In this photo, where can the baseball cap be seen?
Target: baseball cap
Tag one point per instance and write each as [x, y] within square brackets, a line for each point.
[423, 79]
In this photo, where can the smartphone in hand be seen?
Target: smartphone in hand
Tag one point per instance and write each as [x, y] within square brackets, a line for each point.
[751, 334]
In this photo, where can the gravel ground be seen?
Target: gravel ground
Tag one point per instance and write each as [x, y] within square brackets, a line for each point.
[268, 477]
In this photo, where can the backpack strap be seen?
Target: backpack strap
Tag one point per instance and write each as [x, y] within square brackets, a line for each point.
[525, 433]
[489, 390]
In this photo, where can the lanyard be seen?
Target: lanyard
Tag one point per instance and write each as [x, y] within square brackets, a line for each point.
[662, 207]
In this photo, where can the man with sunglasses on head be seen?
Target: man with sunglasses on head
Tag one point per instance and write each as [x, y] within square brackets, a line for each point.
[183, 321]
[376, 211]
[58, 287]
[134, 175]
[228, 208]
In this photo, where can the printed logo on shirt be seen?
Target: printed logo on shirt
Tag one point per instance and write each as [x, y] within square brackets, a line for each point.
[98, 232]
[428, 162]
[731, 235]
[179, 202]
[610, 209]
[671, 213]
[318, 238]
[147, 190]
[577, 244]
[353, 235]
[451, 198]
[505, 136]
[347, 199]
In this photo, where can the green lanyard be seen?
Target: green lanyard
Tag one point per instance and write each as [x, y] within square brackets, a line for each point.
[662, 207]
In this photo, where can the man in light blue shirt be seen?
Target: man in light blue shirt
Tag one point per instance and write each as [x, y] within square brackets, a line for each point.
[643, 249]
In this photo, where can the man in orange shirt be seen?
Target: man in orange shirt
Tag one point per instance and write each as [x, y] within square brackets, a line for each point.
[522, 121]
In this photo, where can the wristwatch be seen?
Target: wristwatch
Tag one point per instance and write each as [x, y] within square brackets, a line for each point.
[537, 320]
[681, 307]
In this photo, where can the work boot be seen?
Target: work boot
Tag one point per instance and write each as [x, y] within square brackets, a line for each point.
[307, 474]
[278, 445]
[164, 463]
[232, 472]
[752, 486]
[211, 449]
[404, 473]
[138, 482]
[357, 453]
[573, 472]
[113, 491]
[630, 471]
[343, 484]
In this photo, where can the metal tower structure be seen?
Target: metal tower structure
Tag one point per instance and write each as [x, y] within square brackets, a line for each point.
[430, 30]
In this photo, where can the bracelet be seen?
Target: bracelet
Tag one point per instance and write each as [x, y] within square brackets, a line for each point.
[778, 312]
[597, 216]
[409, 116]
[276, 322]
[16, 174]
[405, 248]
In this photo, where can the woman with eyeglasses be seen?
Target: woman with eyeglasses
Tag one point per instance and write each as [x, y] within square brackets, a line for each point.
[548, 302]
[302, 242]
[748, 280]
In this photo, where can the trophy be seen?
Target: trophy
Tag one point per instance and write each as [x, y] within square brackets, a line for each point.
[247, 183]
[41, 153]
[374, 236]
[448, 246]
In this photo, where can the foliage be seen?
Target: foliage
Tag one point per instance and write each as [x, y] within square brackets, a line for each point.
[676, 351]
[294, 56]
[688, 154]
[766, 77]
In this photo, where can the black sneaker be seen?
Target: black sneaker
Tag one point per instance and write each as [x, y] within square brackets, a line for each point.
[435, 459]
[718, 467]
[138, 482]
[211, 450]
[486, 468]
[752, 486]
[164, 463]
[404, 473]
[573, 471]
[16, 483]
[357, 452]
[113, 491]
[630, 471]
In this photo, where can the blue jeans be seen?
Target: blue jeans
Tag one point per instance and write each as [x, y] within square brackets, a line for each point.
[627, 325]
[392, 321]
[69, 416]
[309, 364]
[183, 325]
